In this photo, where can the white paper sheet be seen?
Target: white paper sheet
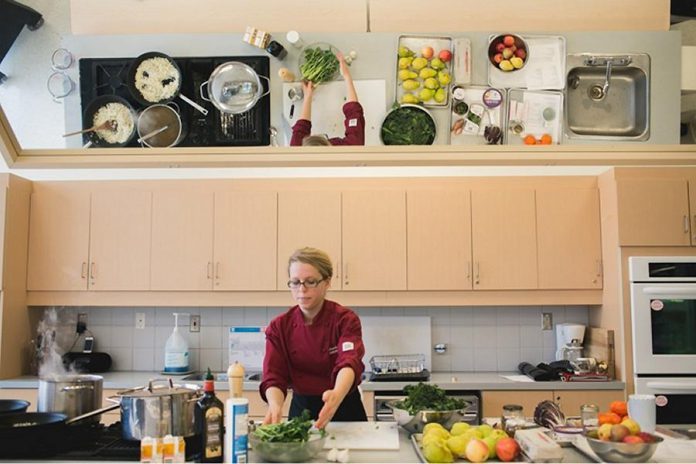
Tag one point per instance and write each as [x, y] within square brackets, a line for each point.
[247, 345]
[518, 378]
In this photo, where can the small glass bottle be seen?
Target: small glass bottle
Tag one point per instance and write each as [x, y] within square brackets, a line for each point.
[589, 413]
[513, 418]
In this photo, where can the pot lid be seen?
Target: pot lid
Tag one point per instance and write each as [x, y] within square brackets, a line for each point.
[234, 87]
[153, 390]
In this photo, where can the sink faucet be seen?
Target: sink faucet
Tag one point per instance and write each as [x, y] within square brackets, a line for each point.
[607, 77]
[596, 92]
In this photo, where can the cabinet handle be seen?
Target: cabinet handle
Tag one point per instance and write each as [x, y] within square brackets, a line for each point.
[209, 270]
[478, 268]
[337, 276]
[92, 270]
[217, 270]
[346, 280]
[83, 273]
[468, 271]
[686, 224]
[599, 268]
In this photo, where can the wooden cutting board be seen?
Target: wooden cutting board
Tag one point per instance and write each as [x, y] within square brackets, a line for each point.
[362, 435]
[599, 344]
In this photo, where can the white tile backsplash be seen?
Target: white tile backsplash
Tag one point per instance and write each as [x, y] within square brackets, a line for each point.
[478, 338]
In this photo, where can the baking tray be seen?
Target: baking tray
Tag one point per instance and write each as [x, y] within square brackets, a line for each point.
[417, 438]
[496, 116]
[544, 69]
[415, 43]
[527, 107]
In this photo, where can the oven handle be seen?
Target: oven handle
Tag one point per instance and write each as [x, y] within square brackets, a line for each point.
[682, 386]
[670, 290]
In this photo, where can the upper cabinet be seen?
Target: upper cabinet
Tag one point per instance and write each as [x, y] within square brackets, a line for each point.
[504, 239]
[568, 238]
[439, 239]
[655, 212]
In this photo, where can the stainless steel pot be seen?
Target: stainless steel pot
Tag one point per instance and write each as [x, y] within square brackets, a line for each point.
[159, 410]
[159, 126]
[72, 394]
[234, 87]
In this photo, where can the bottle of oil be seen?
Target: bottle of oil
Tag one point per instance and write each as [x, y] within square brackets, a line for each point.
[210, 420]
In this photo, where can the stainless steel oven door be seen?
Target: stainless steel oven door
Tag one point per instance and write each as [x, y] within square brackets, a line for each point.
[675, 398]
[663, 319]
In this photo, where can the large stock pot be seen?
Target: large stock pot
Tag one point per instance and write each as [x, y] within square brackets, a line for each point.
[70, 394]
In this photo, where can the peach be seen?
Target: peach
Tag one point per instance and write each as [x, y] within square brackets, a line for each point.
[509, 40]
[477, 450]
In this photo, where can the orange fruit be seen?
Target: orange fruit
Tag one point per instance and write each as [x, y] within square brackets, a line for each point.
[608, 418]
[546, 139]
[530, 140]
[619, 407]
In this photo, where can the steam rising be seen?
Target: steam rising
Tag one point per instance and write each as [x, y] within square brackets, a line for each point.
[50, 354]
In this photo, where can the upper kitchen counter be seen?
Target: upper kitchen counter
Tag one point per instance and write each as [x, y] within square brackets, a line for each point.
[445, 380]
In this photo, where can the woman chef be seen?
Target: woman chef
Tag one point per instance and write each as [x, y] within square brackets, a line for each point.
[315, 347]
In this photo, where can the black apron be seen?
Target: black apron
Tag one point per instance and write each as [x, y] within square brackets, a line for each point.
[351, 409]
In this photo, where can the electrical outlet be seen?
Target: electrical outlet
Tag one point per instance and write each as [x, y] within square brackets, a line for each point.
[546, 321]
[139, 320]
[81, 323]
[195, 324]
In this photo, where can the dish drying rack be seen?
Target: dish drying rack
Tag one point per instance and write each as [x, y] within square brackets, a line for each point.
[396, 368]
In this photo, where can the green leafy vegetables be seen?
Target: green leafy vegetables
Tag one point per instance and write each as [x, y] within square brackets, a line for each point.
[426, 397]
[293, 430]
[408, 125]
[319, 65]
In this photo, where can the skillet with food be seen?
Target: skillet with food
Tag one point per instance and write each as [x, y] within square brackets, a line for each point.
[114, 108]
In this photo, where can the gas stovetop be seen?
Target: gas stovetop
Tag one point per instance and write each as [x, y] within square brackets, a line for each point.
[107, 76]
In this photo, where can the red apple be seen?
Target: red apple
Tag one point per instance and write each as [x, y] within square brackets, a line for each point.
[520, 53]
[509, 41]
[507, 449]
[499, 47]
[427, 52]
[445, 55]
[633, 439]
[477, 450]
[646, 437]
[498, 57]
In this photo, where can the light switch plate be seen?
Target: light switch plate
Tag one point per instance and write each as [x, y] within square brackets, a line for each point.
[195, 324]
[546, 321]
[139, 320]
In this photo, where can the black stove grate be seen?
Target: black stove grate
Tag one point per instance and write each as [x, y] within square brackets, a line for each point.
[107, 76]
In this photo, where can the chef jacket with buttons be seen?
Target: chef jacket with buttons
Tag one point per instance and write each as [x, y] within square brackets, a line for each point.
[307, 357]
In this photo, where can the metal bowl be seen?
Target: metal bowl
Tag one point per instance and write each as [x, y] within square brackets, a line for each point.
[302, 451]
[609, 451]
[424, 118]
[519, 44]
[415, 423]
[324, 47]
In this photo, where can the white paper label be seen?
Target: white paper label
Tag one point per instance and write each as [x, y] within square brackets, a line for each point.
[347, 346]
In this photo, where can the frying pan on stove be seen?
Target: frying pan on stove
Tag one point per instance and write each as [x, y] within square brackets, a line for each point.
[131, 77]
[91, 110]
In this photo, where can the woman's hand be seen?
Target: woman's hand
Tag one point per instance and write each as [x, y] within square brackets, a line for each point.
[345, 69]
[332, 400]
[273, 415]
[308, 89]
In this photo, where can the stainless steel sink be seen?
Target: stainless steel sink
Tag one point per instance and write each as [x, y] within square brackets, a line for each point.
[608, 96]
[222, 376]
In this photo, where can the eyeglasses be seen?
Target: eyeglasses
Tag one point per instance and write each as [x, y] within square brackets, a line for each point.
[309, 283]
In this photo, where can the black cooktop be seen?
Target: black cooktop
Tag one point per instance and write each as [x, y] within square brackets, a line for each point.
[107, 76]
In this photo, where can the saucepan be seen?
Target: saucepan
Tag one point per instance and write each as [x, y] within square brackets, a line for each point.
[71, 394]
[154, 77]
[160, 126]
[234, 87]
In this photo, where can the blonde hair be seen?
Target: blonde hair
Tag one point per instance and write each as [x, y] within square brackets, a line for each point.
[316, 141]
[317, 258]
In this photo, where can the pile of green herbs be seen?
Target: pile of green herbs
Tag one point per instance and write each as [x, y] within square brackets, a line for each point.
[319, 65]
[408, 125]
[426, 397]
[294, 430]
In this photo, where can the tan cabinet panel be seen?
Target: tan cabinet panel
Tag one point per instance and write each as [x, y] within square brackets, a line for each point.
[374, 240]
[120, 240]
[58, 240]
[245, 240]
[439, 239]
[504, 239]
[568, 239]
[692, 209]
[653, 212]
[309, 218]
[494, 400]
[571, 400]
[182, 240]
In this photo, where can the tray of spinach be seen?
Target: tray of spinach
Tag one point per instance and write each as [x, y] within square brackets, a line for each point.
[408, 125]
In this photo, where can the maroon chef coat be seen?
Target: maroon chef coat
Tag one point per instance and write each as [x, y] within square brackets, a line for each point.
[308, 357]
[354, 123]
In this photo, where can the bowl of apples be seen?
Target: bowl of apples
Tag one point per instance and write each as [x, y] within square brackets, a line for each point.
[508, 52]
[622, 442]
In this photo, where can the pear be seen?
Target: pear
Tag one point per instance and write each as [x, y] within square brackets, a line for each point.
[405, 52]
[405, 62]
[457, 445]
[426, 73]
[444, 78]
[410, 84]
[409, 98]
[419, 63]
[426, 94]
[440, 95]
[437, 452]
[431, 83]
[459, 428]
[437, 63]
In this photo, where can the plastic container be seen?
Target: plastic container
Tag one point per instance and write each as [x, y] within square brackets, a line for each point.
[237, 430]
[176, 350]
[235, 379]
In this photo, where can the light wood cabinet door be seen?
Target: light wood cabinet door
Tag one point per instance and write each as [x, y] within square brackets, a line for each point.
[245, 240]
[182, 240]
[494, 400]
[568, 239]
[439, 239]
[653, 212]
[504, 239]
[374, 240]
[692, 210]
[58, 240]
[120, 240]
[309, 219]
[570, 401]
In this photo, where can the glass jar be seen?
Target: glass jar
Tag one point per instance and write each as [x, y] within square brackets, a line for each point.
[589, 413]
[513, 418]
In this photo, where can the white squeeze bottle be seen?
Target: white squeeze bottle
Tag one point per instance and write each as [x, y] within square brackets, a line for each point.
[176, 350]
[235, 379]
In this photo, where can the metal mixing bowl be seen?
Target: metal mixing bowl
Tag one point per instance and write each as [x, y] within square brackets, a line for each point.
[415, 423]
[302, 451]
[609, 451]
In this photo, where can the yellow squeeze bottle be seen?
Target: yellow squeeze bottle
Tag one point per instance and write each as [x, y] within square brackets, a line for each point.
[235, 379]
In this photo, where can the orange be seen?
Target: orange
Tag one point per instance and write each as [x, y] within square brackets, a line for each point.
[530, 140]
[608, 418]
[546, 139]
[619, 407]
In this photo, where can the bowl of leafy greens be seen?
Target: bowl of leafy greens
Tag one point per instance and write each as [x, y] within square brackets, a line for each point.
[408, 125]
[318, 63]
[291, 441]
[427, 403]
